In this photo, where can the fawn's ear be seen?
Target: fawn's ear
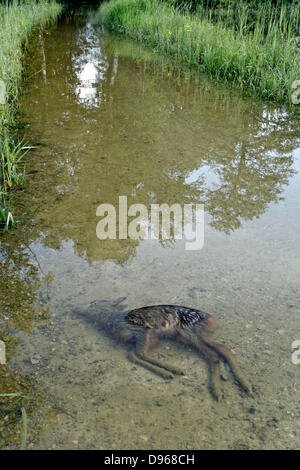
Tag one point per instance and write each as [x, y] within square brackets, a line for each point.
[118, 301]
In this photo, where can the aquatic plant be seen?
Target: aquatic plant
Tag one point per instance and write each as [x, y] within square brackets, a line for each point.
[20, 405]
[261, 58]
[17, 19]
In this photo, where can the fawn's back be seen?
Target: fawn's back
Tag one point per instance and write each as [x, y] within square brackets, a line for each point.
[162, 320]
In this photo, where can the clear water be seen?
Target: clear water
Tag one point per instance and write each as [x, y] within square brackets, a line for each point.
[108, 118]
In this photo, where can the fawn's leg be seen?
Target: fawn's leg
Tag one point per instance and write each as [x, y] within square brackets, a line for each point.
[225, 352]
[192, 338]
[140, 356]
[214, 365]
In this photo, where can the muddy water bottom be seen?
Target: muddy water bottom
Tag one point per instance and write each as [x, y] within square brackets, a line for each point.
[108, 119]
[109, 403]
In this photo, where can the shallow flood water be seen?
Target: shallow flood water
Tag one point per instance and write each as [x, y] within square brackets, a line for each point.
[110, 119]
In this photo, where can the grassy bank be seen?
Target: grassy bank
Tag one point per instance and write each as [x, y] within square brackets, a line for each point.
[17, 19]
[260, 58]
[246, 14]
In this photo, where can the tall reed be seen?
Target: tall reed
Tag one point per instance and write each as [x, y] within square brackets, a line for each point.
[246, 15]
[17, 20]
[261, 58]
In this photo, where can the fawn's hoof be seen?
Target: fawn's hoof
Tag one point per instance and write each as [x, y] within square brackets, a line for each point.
[176, 371]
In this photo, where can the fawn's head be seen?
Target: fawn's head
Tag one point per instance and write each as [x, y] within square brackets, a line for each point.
[98, 306]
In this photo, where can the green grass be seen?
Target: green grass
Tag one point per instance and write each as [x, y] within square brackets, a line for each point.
[20, 403]
[246, 15]
[260, 58]
[17, 19]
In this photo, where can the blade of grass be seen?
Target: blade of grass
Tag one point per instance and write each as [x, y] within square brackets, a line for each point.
[24, 438]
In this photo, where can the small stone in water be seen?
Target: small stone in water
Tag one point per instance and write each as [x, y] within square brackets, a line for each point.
[34, 360]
